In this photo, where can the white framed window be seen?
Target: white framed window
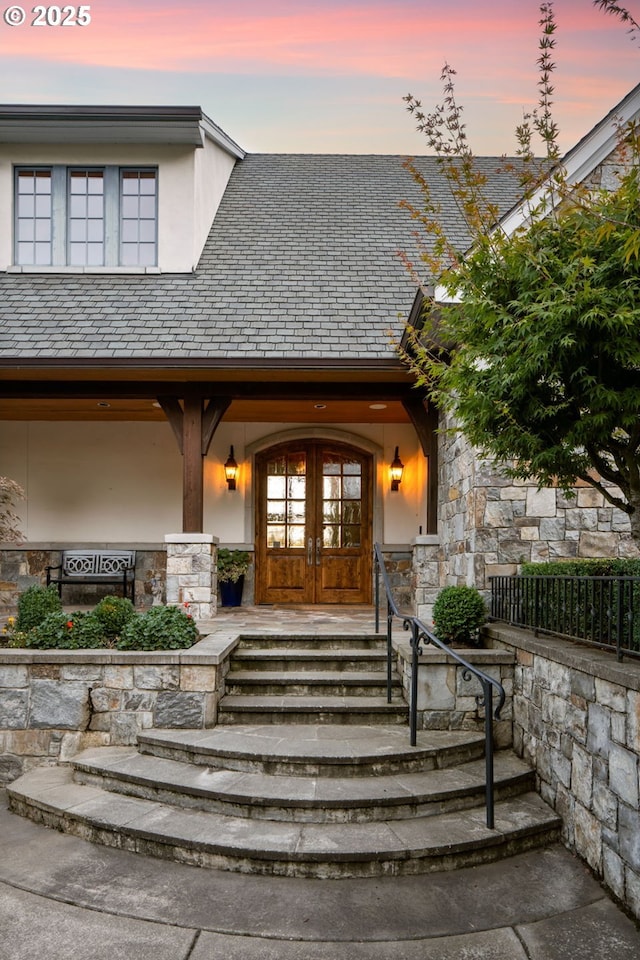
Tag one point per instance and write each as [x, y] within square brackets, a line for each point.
[86, 216]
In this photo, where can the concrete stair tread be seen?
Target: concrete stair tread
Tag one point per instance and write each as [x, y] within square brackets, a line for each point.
[306, 653]
[259, 703]
[131, 769]
[353, 677]
[312, 743]
[210, 836]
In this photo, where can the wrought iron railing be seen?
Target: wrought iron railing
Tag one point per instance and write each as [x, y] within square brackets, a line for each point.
[420, 634]
[601, 611]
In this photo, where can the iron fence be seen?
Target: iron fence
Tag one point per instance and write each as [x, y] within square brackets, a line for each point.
[600, 611]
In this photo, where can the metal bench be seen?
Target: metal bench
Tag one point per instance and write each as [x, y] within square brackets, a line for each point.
[95, 566]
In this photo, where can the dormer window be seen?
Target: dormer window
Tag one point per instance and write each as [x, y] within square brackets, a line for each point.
[86, 216]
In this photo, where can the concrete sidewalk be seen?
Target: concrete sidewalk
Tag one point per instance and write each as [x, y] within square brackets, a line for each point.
[64, 899]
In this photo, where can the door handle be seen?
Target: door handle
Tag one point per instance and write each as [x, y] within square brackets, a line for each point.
[318, 554]
[310, 552]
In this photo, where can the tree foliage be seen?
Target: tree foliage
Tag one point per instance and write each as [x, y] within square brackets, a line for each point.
[10, 493]
[543, 324]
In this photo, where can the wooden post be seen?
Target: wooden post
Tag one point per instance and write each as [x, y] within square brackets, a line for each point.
[193, 481]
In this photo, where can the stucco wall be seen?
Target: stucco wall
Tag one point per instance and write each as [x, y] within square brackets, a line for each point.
[122, 481]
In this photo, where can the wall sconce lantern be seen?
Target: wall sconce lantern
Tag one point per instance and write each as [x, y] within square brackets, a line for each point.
[397, 469]
[231, 470]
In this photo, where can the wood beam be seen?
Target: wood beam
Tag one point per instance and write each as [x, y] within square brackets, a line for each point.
[192, 467]
[216, 409]
[239, 390]
[173, 412]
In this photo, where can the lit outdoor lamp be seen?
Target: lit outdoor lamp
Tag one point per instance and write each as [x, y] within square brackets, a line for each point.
[231, 470]
[397, 469]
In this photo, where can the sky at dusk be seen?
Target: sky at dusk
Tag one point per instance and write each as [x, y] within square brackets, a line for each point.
[324, 76]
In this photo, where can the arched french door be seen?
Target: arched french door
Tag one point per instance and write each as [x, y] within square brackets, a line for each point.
[313, 523]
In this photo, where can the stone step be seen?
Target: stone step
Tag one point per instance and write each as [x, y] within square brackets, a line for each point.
[281, 659]
[322, 708]
[328, 850]
[302, 799]
[315, 750]
[373, 642]
[349, 683]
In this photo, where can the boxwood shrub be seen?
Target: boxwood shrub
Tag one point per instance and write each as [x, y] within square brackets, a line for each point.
[458, 614]
[35, 604]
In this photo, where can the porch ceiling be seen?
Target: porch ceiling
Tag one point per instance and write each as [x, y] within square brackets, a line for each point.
[241, 411]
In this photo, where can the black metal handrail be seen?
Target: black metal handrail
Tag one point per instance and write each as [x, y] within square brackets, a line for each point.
[603, 612]
[421, 634]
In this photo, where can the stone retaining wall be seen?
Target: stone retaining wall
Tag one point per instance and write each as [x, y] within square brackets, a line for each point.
[447, 694]
[577, 720]
[54, 703]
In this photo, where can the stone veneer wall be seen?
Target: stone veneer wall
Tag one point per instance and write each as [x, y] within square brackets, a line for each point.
[447, 693]
[577, 721]
[490, 524]
[54, 703]
[22, 566]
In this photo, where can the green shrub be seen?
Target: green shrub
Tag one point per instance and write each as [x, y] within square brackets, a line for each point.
[597, 567]
[35, 604]
[232, 564]
[67, 631]
[113, 613]
[594, 610]
[458, 614]
[161, 628]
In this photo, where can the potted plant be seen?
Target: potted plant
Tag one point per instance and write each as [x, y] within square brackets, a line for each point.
[458, 614]
[232, 567]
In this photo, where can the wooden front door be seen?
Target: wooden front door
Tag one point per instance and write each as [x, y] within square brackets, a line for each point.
[313, 524]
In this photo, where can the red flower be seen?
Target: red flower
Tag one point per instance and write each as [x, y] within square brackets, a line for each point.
[70, 624]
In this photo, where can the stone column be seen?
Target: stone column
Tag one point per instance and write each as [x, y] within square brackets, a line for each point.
[426, 574]
[192, 572]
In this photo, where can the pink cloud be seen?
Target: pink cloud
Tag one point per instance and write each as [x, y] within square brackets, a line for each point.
[383, 39]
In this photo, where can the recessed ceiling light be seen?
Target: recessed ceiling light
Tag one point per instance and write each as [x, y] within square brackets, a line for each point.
[319, 406]
[103, 403]
[156, 404]
[377, 406]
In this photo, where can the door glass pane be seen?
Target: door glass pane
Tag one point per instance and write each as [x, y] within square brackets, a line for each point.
[286, 501]
[297, 487]
[276, 535]
[330, 536]
[296, 511]
[351, 536]
[341, 501]
[275, 511]
[351, 488]
[331, 488]
[276, 487]
[295, 537]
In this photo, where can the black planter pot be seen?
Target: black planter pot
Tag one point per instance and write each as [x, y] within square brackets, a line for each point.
[231, 593]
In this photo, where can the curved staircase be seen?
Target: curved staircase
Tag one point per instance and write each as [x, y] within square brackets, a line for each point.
[309, 773]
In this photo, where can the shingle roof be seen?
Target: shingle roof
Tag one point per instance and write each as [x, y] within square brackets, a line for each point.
[301, 261]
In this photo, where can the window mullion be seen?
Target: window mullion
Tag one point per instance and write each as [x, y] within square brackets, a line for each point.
[59, 215]
[111, 215]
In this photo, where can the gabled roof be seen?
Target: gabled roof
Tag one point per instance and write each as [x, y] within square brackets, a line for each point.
[301, 263]
[580, 162]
